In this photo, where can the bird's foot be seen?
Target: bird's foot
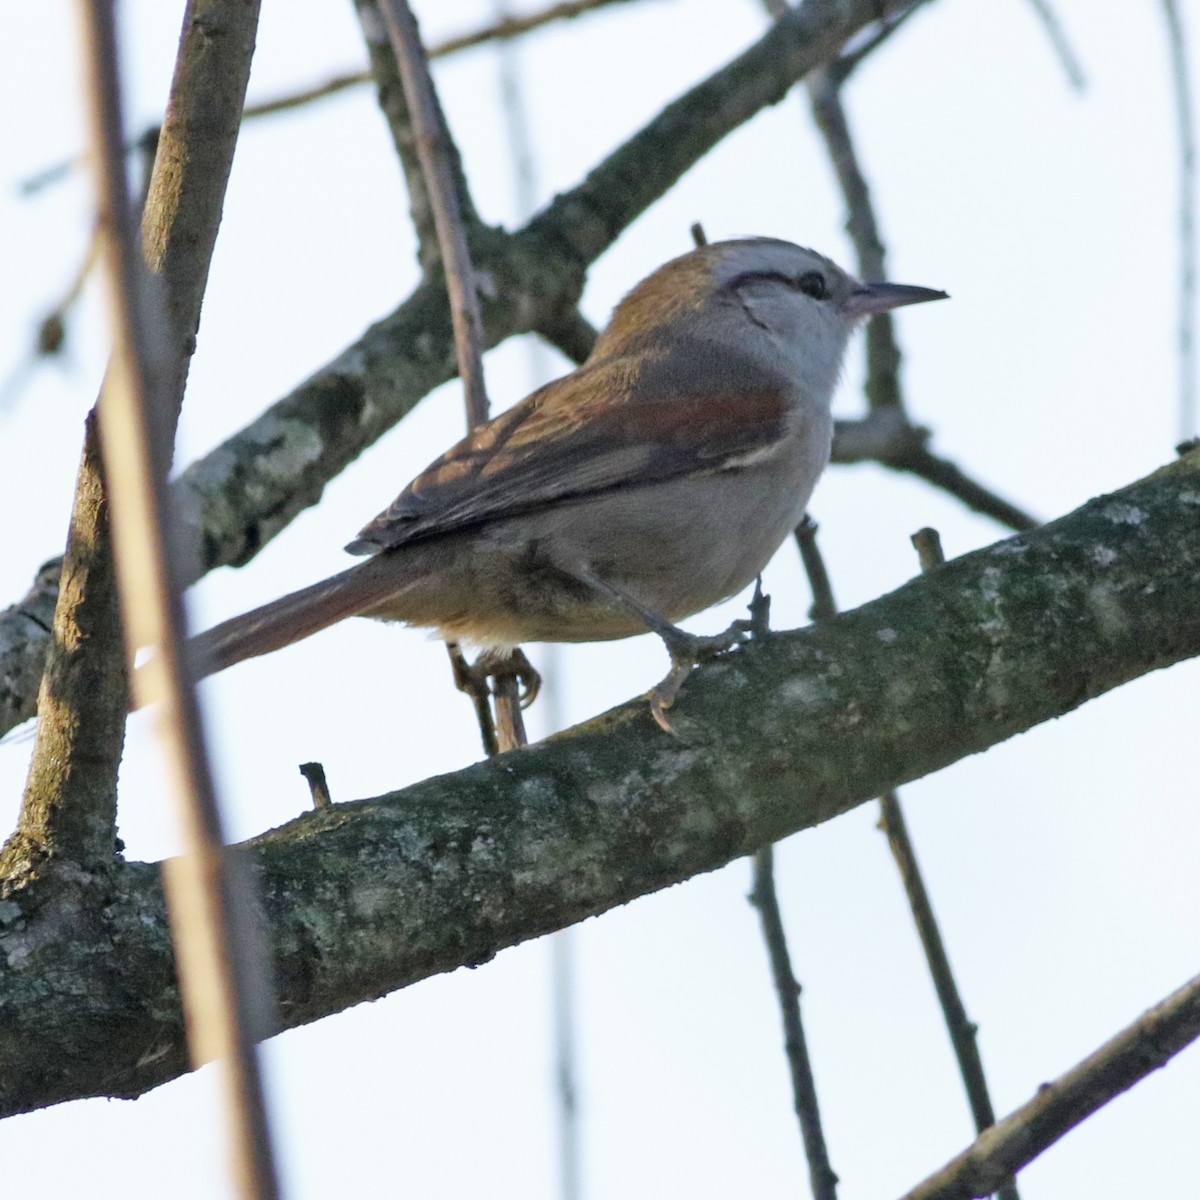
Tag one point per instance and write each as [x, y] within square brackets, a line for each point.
[472, 678]
[686, 650]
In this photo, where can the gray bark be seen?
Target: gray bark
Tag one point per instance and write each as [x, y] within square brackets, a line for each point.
[365, 897]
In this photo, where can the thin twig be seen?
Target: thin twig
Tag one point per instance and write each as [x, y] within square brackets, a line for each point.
[883, 352]
[764, 897]
[891, 820]
[928, 544]
[865, 44]
[1181, 82]
[510, 27]
[1139, 1049]
[823, 607]
[1058, 40]
[211, 945]
[235, 500]
[318, 787]
[435, 151]
[951, 479]
[394, 103]
[804, 1089]
[504, 30]
[961, 1029]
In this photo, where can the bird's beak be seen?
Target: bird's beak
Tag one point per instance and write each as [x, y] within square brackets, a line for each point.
[870, 298]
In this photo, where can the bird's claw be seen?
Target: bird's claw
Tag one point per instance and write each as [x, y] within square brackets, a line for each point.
[686, 651]
[472, 678]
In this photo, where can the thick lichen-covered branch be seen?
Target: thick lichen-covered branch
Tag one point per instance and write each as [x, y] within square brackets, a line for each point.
[366, 897]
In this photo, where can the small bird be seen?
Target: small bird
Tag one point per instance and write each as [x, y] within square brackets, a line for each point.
[649, 484]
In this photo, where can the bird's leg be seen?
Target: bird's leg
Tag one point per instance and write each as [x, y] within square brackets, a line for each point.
[472, 678]
[686, 649]
[493, 664]
[469, 680]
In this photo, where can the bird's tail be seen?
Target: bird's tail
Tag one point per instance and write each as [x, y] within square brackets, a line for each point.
[292, 618]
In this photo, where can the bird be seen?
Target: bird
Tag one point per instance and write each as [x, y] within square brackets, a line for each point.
[652, 482]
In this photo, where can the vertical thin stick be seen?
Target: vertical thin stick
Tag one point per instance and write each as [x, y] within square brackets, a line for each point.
[961, 1028]
[432, 142]
[1060, 44]
[764, 897]
[891, 820]
[433, 150]
[804, 1089]
[1181, 81]
[562, 944]
[210, 953]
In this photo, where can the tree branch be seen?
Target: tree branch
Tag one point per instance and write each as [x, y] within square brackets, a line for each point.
[769, 739]
[1145, 1046]
[883, 352]
[224, 988]
[398, 111]
[238, 497]
[587, 220]
[69, 807]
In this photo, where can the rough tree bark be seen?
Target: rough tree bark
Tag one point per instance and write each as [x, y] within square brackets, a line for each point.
[366, 897]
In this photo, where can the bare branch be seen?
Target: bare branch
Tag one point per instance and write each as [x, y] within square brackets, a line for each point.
[824, 607]
[843, 711]
[437, 157]
[69, 807]
[314, 774]
[220, 992]
[863, 46]
[435, 151]
[883, 352]
[1181, 82]
[241, 495]
[1058, 41]
[587, 219]
[396, 108]
[1139, 1049]
[949, 478]
[891, 821]
[804, 1089]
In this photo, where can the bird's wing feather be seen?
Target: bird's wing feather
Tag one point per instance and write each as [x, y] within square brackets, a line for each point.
[589, 432]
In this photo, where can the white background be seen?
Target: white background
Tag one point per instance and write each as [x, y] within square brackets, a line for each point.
[1061, 864]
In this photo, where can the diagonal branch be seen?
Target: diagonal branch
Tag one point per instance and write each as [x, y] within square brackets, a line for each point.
[438, 156]
[69, 807]
[771, 739]
[1145, 1046]
[397, 108]
[883, 352]
[222, 992]
[961, 1029]
[241, 495]
[822, 1178]
[587, 220]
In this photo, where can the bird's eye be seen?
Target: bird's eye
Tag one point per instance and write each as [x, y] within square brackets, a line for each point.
[812, 283]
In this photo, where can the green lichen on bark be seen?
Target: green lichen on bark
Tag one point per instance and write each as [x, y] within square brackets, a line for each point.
[365, 897]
